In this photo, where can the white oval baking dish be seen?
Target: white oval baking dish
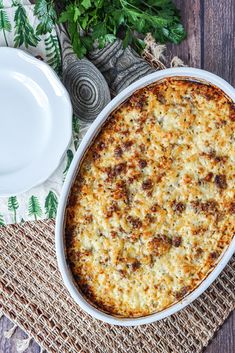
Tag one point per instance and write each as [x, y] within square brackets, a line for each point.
[60, 224]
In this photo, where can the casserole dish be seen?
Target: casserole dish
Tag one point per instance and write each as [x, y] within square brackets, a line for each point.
[184, 73]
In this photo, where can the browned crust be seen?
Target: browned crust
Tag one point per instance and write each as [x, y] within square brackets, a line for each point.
[218, 213]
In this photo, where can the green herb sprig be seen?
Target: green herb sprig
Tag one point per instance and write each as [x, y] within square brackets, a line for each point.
[98, 22]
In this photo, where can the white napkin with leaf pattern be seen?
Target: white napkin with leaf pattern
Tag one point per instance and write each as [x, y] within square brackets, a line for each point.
[18, 29]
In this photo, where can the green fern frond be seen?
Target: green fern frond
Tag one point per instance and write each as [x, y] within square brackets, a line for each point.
[53, 52]
[5, 24]
[2, 223]
[13, 205]
[51, 204]
[76, 129]
[69, 160]
[24, 32]
[34, 207]
[45, 12]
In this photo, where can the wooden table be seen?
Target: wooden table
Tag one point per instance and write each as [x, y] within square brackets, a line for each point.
[210, 45]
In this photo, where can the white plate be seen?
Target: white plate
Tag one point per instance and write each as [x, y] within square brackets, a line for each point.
[35, 121]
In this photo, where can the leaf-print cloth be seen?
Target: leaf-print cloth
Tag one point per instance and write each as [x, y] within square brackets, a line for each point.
[18, 29]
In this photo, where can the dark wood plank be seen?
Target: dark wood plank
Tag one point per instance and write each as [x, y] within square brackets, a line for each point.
[224, 341]
[9, 345]
[210, 44]
[219, 39]
[190, 49]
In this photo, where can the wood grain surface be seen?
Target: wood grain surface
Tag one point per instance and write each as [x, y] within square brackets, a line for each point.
[210, 45]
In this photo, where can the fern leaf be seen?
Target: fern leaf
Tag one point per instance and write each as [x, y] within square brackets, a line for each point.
[53, 52]
[69, 160]
[5, 24]
[2, 223]
[46, 14]
[34, 207]
[51, 204]
[13, 205]
[24, 32]
[76, 129]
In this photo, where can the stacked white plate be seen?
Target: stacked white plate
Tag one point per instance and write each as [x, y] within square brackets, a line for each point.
[35, 121]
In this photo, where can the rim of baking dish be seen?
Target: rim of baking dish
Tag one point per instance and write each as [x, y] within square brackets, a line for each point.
[188, 73]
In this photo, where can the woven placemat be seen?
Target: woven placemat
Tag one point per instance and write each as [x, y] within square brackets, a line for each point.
[34, 296]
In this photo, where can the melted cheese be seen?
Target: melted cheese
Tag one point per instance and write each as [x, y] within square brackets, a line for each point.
[153, 204]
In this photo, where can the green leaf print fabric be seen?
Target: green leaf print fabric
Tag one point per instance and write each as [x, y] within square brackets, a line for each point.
[5, 24]
[34, 207]
[18, 28]
[51, 204]
[24, 32]
[12, 206]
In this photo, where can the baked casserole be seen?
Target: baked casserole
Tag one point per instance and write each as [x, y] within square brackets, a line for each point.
[152, 207]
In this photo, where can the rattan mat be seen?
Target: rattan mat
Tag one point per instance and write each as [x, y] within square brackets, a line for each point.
[33, 295]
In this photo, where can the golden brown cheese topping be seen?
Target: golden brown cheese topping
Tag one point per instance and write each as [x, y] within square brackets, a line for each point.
[153, 205]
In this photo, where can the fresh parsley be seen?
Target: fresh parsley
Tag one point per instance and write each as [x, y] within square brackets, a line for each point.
[98, 22]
